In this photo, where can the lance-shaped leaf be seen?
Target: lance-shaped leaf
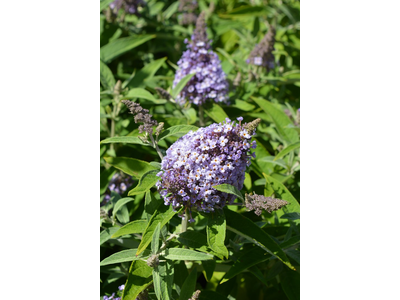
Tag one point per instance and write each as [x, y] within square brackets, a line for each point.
[198, 241]
[189, 285]
[230, 189]
[106, 234]
[143, 94]
[147, 72]
[283, 193]
[146, 182]
[216, 230]
[151, 204]
[176, 130]
[106, 77]
[163, 277]
[124, 140]
[161, 216]
[181, 84]
[137, 226]
[287, 150]
[104, 4]
[122, 256]
[280, 119]
[119, 46]
[139, 278]
[131, 166]
[156, 240]
[121, 202]
[216, 112]
[247, 229]
[185, 254]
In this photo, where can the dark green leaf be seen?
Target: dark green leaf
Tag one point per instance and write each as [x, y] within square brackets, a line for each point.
[130, 166]
[291, 216]
[247, 229]
[117, 47]
[137, 226]
[176, 130]
[106, 77]
[196, 240]
[139, 278]
[146, 73]
[151, 204]
[287, 150]
[181, 84]
[209, 267]
[189, 285]
[230, 189]
[185, 254]
[155, 240]
[290, 282]
[146, 182]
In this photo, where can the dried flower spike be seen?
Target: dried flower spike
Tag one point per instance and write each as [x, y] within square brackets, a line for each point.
[200, 160]
[262, 53]
[209, 83]
[141, 115]
[258, 203]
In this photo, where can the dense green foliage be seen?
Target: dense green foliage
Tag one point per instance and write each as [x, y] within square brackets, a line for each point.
[233, 253]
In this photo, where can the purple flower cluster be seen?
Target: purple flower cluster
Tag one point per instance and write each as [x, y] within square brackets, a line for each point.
[262, 53]
[119, 183]
[210, 82]
[187, 7]
[130, 6]
[199, 160]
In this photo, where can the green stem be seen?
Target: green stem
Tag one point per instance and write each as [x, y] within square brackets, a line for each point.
[155, 146]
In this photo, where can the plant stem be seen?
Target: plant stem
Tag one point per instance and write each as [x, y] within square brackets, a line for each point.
[156, 146]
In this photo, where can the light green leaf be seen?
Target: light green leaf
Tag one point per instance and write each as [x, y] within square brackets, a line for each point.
[156, 240]
[250, 231]
[143, 94]
[243, 105]
[215, 112]
[131, 166]
[122, 256]
[287, 150]
[104, 4]
[146, 182]
[189, 285]
[230, 189]
[216, 230]
[185, 254]
[123, 139]
[137, 226]
[106, 77]
[146, 73]
[121, 202]
[181, 84]
[162, 215]
[139, 278]
[176, 130]
[120, 46]
[151, 204]
[190, 115]
[163, 276]
[274, 161]
[170, 10]
[280, 119]
[106, 234]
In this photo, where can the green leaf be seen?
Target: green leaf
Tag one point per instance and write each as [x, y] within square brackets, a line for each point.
[139, 278]
[189, 285]
[137, 226]
[245, 261]
[121, 202]
[170, 10]
[185, 254]
[104, 4]
[181, 84]
[156, 240]
[151, 204]
[190, 115]
[131, 166]
[247, 229]
[287, 150]
[209, 267]
[106, 234]
[230, 189]
[146, 182]
[211, 295]
[163, 276]
[106, 77]
[117, 47]
[274, 161]
[146, 73]
[283, 193]
[122, 256]
[215, 112]
[243, 105]
[280, 119]
[246, 11]
[291, 216]
[176, 130]
[290, 282]
[123, 139]
[161, 216]
[143, 94]
[122, 214]
[216, 230]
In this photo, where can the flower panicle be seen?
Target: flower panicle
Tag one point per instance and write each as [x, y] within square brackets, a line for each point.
[262, 54]
[258, 203]
[141, 116]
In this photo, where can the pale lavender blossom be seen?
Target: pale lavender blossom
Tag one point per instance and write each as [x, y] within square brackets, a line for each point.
[119, 184]
[191, 168]
[209, 83]
[130, 6]
[262, 53]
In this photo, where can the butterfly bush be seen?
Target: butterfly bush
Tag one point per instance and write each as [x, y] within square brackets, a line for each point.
[262, 53]
[119, 183]
[130, 6]
[113, 296]
[209, 83]
[199, 160]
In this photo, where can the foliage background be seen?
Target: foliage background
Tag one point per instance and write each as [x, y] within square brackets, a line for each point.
[142, 52]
